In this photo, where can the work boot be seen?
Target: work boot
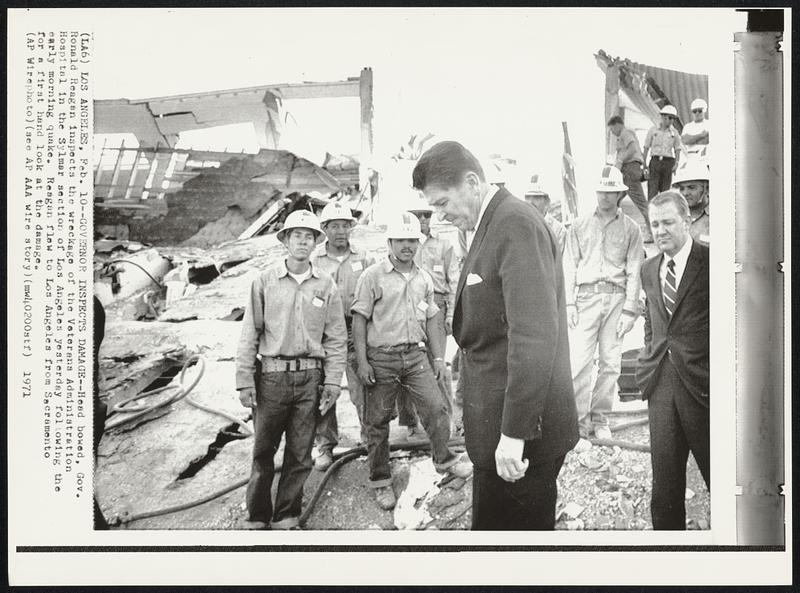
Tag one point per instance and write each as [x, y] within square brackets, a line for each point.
[285, 524]
[460, 469]
[603, 432]
[254, 525]
[415, 434]
[323, 461]
[385, 497]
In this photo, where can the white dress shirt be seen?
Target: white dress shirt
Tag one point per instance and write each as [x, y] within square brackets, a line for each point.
[490, 192]
[680, 263]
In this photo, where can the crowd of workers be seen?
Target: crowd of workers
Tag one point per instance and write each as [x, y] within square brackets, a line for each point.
[531, 305]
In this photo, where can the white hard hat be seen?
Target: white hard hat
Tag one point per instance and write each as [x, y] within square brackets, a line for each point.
[691, 170]
[699, 104]
[301, 219]
[669, 110]
[611, 180]
[535, 188]
[404, 226]
[416, 203]
[494, 173]
[336, 211]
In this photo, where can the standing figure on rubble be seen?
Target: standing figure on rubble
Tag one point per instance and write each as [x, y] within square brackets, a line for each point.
[395, 318]
[511, 324]
[344, 263]
[292, 353]
[436, 257]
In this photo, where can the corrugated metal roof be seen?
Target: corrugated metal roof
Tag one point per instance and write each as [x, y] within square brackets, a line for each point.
[651, 87]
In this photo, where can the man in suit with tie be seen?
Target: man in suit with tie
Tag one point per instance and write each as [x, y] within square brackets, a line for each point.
[673, 366]
[510, 323]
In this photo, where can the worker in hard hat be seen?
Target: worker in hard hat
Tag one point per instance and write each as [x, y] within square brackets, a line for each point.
[289, 364]
[695, 133]
[663, 144]
[629, 159]
[540, 200]
[436, 257]
[601, 274]
[339, 258]
[691, 181]
[395, 319]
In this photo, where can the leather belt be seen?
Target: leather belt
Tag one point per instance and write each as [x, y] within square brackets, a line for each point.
[282, 365]
[400, 347]
[597, 287]
[663, 158]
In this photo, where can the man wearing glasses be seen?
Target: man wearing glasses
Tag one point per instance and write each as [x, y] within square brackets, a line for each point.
[695, 133]
[663, 144]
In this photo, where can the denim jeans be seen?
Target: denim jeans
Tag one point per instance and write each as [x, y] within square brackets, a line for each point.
[660, 176]
[286, 402]
[598, 315]
[327, 425]
[407, 415]
[632, 177]
[408, 371]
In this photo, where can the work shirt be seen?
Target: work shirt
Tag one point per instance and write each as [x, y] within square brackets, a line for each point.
[693, 128]
[666, 143]
[287, 319]
[599, 251]
[559, 230]
[628, 149]
[699, 228]
[345, 273]
[396, 309]
[435, 256]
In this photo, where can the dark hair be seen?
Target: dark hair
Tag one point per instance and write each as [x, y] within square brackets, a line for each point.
[615, 120]
[673, 197]
[445, 164]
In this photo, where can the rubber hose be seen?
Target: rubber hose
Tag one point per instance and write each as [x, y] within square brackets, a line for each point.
[127, 261]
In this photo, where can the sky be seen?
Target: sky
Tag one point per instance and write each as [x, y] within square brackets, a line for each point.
[497, 80]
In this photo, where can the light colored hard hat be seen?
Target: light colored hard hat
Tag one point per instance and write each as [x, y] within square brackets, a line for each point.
[494, 173]
[336, 211]
[691, 170]
[699, 104]
[301, 219]
[417, 203]
[404, 226]
[535, 188]
[669, 110]
[611, 180]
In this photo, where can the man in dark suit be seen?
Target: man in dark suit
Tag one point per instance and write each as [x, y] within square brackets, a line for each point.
[511, 325]
[673, 366]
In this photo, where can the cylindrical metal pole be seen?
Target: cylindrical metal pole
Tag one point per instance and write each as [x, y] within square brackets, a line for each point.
[758, 75]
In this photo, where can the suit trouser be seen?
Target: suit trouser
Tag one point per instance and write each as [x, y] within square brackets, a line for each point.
[660, 176]
[529, 504]
[286, 402]
[598, 315]
[407, 416]
[396, 371]
[632, 177]
[678, 424]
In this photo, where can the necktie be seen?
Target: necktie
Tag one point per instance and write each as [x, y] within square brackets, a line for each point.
[670, 288]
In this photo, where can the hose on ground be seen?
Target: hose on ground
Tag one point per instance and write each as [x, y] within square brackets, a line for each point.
[127, 261]
[340, 459]
[182, 390]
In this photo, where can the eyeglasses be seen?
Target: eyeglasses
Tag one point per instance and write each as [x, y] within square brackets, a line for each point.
[697, 111]
[423, 214]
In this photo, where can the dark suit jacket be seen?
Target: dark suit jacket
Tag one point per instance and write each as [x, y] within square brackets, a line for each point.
[684, 337]
[510, 322]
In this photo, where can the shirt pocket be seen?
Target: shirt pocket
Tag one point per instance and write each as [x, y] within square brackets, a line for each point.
[418, 301]
[315, 308]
